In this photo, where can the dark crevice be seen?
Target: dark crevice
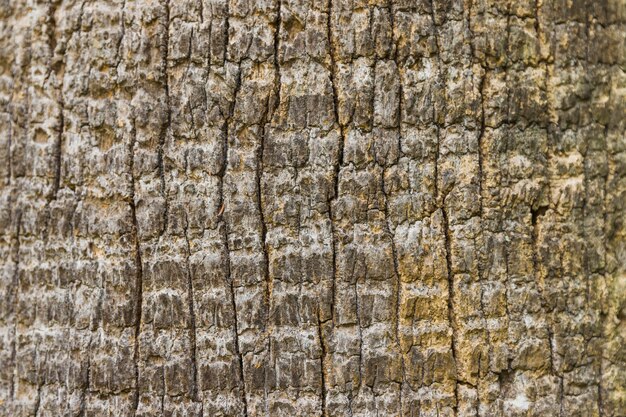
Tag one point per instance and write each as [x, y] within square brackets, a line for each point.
[192, 314]
[163, 392]
[440, 199]
[138, 305]
[481, 134]
[396, 270]
[360, 332]
[118, 55]
[606, 233]
[15, 299]
[536, 214]
[222, 218]
[166, 125]
[269, 110]
[436, 115]
[38, 400]
[451, 319]
[226, 32]
[51, 28]
[267, 278]
[10, 142]
[333, 83]
[336, 195]
[339, 163]
[58, 149]
[83, 394]
[323, 377]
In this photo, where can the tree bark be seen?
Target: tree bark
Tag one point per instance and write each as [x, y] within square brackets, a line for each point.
[310, 208]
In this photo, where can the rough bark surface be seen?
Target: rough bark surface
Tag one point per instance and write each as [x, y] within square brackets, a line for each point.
[313, 208]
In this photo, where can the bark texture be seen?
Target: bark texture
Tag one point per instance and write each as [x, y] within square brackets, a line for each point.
[313, 208]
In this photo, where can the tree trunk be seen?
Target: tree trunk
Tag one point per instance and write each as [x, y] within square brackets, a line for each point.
[310, 208]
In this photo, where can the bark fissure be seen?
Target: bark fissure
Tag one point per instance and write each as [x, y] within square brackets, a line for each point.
[451, 294]
[15, 300]
[58, 144]
[83, 397]
[323, 350]
[222, 216]
[165, 126]
[138, 304]
[192, 315]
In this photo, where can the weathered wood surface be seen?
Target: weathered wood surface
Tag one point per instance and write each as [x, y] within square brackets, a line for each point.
[305, 208]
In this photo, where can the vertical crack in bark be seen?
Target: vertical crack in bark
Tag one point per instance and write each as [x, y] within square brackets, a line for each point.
[118, 55]
[163, 391]
[7, 180]
[38, 400]
[277, 71]
[332, 201]
[394, 253]
[165, 126]
[138, 268]
[51, 25]
[233, 303]
[606, 233]
[537, 213]
[440, 198]
[481, 245]
[83, 394]
[436, 114]
[481, 135]
[448, 240]
[561, 396]
[192, 315]
[58, 149]
[14, 302]
[266, 123]
[226, 233]
[323, 349]
[536, 216]
[226, 33]
[359, 330]
[333, 84]
[10, 111]
[600, 330]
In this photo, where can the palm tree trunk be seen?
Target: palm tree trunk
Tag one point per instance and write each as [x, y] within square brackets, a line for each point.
[310, 208]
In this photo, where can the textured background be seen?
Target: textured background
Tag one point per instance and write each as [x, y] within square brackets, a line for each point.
[305, 208]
